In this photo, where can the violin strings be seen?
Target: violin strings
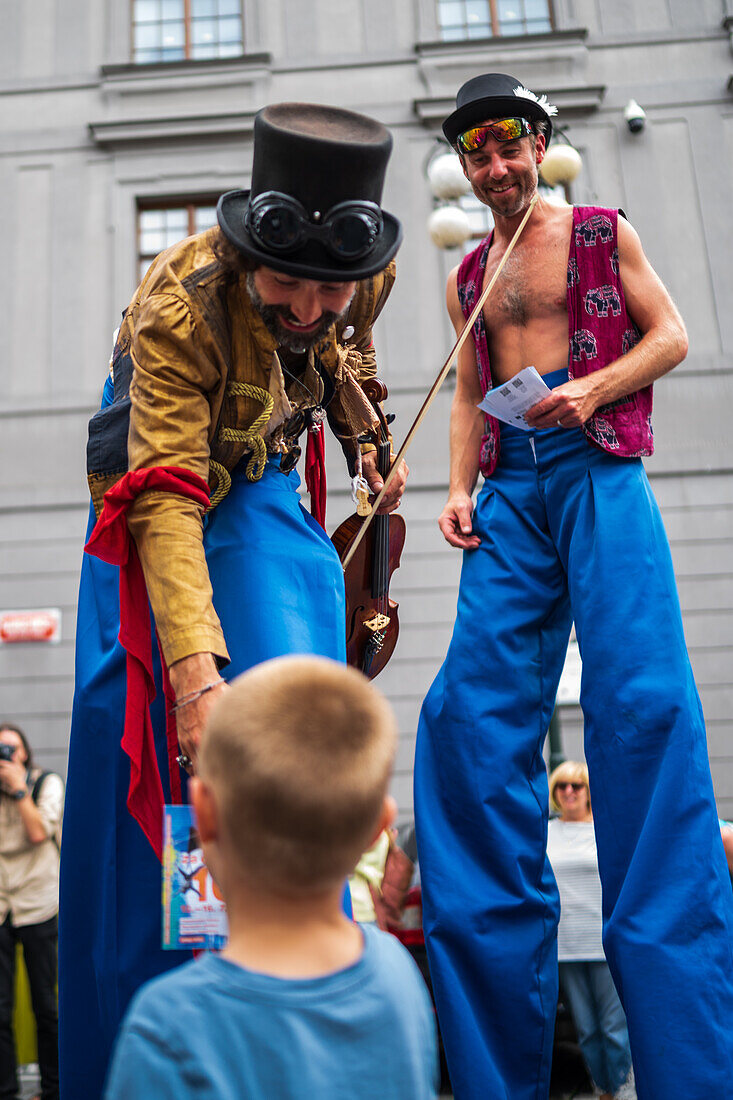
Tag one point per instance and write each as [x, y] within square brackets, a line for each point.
[380, 558]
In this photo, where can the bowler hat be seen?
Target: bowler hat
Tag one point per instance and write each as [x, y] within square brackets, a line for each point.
[496, 95]
[321, 157]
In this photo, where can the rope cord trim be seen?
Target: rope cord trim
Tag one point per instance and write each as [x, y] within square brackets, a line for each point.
[223, 483]
[251, 437]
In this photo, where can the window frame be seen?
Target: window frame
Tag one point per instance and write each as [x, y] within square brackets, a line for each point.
[188, 55]
[495, 23]
[189, 202]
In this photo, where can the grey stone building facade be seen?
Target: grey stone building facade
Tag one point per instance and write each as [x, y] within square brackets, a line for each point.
[122, 120]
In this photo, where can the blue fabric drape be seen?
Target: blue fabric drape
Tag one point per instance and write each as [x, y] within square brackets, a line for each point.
[278, 589]
[570, 532]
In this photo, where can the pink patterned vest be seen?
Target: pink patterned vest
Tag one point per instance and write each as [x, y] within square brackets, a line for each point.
[599, 331]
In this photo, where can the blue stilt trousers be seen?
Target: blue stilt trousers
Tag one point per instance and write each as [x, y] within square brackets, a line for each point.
[570, 532]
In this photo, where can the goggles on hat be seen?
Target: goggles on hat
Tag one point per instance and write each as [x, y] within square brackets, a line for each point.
[506, 129]
[281, 224]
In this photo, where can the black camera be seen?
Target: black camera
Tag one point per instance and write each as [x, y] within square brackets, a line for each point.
[7, 752]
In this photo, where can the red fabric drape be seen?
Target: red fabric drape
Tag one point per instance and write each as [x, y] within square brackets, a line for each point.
[315, 473]
[111, 541]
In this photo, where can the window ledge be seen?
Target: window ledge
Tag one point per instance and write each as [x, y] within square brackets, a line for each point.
[154, 102]
[157, 76]
[501, 43]
[444, 66]
[126, 132]
[579, 101]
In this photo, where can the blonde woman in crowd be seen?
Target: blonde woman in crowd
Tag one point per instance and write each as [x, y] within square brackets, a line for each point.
[584, 975]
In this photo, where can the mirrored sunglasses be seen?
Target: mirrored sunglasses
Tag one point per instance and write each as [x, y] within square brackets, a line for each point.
[281, 224]
[506, 129]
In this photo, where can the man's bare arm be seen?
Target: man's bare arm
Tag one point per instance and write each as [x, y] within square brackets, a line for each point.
[466, 429]
[663, 345]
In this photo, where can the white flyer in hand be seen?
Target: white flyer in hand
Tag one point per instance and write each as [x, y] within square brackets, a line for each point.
[510, 401]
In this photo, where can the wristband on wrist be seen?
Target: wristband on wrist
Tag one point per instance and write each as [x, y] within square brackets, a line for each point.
[18, 795]
[186, 699]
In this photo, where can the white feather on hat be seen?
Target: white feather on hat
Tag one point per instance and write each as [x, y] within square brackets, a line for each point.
[541, 100]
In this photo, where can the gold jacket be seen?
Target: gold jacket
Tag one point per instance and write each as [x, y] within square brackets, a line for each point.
[190, 350]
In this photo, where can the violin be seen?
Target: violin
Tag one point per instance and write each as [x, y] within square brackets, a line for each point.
[372, 621]
[371, 617]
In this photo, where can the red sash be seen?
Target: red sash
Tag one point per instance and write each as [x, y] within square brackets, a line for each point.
[111, 541]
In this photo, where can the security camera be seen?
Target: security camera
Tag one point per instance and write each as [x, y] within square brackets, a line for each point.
[635, 116]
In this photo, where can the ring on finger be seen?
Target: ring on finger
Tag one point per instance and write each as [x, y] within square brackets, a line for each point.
[559, 423]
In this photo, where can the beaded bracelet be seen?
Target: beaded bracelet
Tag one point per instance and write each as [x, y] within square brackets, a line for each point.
[194, 695]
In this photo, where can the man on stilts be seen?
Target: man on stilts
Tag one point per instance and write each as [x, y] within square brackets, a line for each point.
[565, 528]
[237, 341]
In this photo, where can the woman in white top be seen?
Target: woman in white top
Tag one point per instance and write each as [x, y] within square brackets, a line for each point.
[584, 974]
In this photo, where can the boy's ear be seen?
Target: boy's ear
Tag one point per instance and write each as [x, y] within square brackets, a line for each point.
[386, 817]
[205, 808]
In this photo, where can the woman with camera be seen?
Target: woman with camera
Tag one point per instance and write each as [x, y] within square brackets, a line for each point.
[31, 805]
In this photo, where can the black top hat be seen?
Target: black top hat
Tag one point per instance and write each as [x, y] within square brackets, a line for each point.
[495, 95]
[320, 156]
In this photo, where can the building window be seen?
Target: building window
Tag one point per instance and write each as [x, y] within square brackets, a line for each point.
[461, 19]
[178, 30]
[161, 225]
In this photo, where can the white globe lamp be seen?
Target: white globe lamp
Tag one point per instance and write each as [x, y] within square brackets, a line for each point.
[446, 177]
[449, 227]
[562, 164]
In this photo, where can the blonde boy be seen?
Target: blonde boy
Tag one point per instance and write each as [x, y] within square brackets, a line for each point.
[292, 787]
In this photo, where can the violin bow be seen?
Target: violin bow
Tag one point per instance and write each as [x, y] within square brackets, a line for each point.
[443, 374]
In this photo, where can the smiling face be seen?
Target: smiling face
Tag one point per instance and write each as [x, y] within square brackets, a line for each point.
[573, 799]
[503, 174]
[298, 312]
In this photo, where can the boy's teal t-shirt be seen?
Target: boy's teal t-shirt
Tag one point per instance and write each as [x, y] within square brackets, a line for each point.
[211, 1030]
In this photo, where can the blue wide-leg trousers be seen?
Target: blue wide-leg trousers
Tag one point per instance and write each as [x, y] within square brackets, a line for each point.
[278, 589]
[569, 532]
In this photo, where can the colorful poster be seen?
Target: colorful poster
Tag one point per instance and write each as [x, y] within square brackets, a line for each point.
[194, 914]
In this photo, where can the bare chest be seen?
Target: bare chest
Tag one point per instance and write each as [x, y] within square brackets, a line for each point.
[532, 285]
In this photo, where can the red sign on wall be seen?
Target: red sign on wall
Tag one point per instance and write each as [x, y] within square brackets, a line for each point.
[41, 625]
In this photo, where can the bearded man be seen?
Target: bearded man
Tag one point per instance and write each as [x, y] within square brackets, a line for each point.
[565, 527]
[237, 340]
